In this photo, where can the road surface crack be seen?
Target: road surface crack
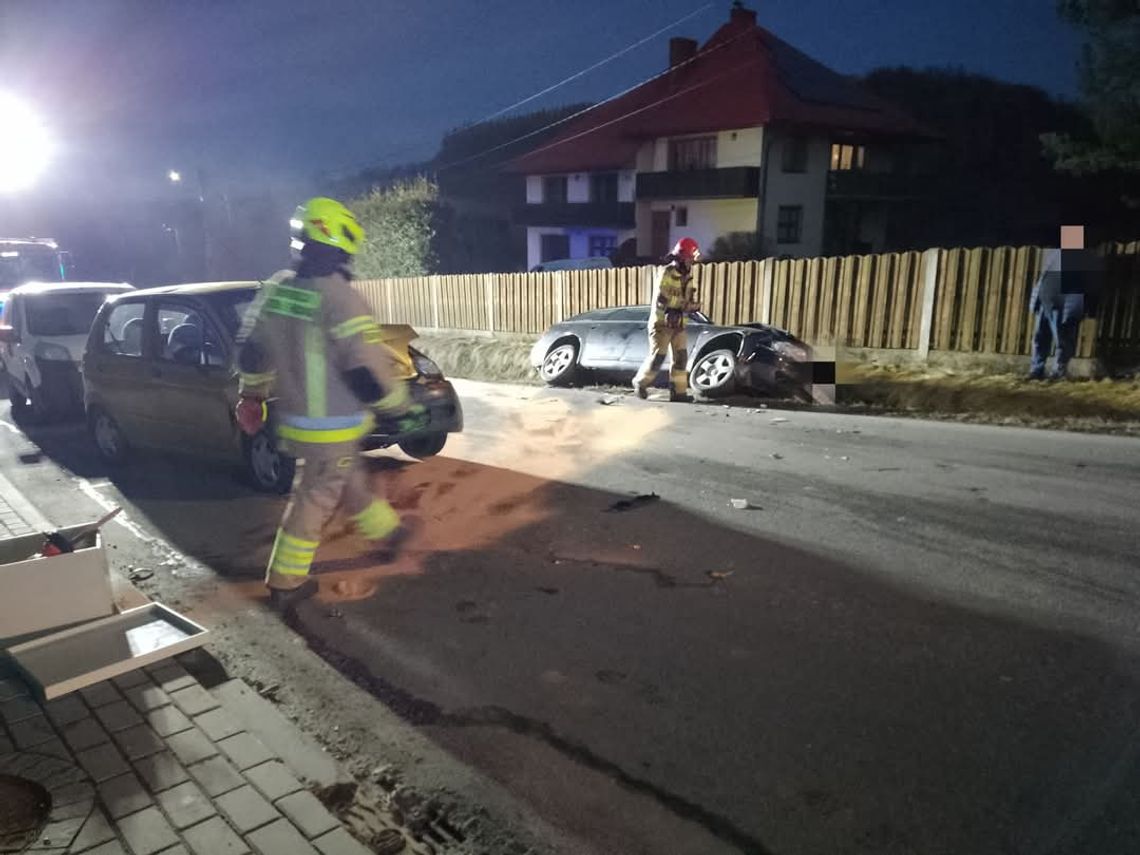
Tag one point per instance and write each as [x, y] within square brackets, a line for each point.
[421, 712]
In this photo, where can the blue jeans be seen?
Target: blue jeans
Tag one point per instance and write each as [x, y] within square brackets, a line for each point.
[1058, 326]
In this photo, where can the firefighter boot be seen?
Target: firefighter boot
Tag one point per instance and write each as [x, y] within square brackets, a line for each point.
[286, 599]
[390, 548]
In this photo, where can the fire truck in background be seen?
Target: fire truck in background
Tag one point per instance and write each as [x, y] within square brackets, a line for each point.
[24, 260]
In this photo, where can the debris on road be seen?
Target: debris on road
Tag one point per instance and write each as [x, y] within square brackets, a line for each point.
[779, 420]
[719, 575]
[609, 400]
[777, 456]
[623, 505]
[138, 574]
[741, 504]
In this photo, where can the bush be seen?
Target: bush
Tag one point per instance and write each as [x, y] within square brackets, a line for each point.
[736, 246]
[397, 221]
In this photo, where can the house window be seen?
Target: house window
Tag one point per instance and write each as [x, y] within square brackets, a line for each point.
[692, 153]
[789, 224]
[554, 189]
[604, 187]
[795, 155]
[554, 247]
[847, 157]
[602, 246]
[681, 216]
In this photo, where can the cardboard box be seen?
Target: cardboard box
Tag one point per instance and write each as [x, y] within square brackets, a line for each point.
[38, 595]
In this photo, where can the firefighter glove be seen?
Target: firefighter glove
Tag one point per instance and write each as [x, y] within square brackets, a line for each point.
[251, 415]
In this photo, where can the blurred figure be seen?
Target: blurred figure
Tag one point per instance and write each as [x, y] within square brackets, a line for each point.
[676, 298]
[1067, 291]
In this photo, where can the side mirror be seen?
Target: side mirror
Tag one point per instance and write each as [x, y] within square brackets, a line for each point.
[8, 335]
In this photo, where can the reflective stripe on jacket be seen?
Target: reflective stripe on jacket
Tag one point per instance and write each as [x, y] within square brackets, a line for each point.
[299, 342]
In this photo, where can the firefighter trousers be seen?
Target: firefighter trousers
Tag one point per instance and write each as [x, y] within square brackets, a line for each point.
[332, 475]
[661, 339]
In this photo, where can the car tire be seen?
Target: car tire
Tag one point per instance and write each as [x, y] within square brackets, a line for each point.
[423, 447]
[109, 439]
[560, 365]
[714, 374]
[266, 468]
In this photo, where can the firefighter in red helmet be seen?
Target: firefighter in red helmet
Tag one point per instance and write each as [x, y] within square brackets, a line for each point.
[676, 298]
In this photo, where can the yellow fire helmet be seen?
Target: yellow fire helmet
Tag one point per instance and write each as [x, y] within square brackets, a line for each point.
[329, 222]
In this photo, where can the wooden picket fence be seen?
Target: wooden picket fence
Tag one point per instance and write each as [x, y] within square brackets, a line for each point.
[958, 300]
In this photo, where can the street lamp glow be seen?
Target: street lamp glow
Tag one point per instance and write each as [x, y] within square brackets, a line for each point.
[25, 145]
[175, 176]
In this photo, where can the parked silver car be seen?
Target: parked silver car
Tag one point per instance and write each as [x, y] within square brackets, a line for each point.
[722, 359]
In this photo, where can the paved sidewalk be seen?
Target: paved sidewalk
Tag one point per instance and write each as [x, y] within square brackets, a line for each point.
[151, 762]
[17, 516]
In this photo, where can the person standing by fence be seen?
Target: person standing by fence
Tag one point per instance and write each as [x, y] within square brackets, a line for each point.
[676, 298]
[1067, 290]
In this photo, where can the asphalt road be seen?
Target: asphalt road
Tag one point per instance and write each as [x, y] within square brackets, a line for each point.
[921, 639]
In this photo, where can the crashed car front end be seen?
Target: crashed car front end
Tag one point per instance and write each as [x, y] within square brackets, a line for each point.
[772, 360]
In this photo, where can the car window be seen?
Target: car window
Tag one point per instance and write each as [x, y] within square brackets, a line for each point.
[187, 337]
[231, 307]
[62, 314]
[123, 332]
[634, 313]
[597, 315]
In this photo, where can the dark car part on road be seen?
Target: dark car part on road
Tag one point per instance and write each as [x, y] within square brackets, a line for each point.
[630, 504]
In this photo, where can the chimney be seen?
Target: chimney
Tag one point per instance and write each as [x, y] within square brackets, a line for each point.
[741, 15]
[681, 50]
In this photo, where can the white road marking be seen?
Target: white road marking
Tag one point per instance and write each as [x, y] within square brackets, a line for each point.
[92, 492]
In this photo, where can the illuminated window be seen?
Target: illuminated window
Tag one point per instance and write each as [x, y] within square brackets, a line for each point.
[847, 157]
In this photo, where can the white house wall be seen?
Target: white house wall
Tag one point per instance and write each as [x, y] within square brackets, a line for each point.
[807, 189]
[578, 188]
[708, 220]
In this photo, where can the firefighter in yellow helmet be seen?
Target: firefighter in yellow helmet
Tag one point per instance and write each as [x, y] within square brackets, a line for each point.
[311, 345]
[676, 298]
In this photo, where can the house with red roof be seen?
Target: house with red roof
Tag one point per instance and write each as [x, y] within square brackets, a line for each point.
[743, 138]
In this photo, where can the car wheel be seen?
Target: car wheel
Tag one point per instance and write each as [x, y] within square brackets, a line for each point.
[714, 374]
[423, 447]
[109, 439]
[268, 469]
[560, 364]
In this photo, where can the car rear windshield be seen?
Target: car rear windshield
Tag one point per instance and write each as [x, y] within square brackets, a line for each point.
[62, 314]
[231, 306]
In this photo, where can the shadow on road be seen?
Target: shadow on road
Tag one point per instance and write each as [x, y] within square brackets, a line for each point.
[779, 701]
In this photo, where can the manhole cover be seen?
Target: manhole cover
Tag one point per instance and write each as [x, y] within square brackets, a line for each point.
[24, 810]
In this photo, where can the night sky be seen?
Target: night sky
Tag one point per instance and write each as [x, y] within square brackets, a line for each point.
[260, 91]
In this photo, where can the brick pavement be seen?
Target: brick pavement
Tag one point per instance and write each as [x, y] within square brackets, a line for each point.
[151, 762]
[17, 516]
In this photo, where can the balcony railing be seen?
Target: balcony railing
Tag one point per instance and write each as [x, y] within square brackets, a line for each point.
[608, 214]
[730, 183]
[855, 184]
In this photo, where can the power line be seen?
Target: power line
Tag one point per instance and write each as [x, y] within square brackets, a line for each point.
[597, 65]
[579, 113]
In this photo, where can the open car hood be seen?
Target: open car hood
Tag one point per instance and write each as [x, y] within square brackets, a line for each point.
[397, 337]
